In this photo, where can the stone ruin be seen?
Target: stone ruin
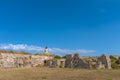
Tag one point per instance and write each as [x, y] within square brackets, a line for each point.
[74, 61]
[55, 63]
[104, 62]
[77, 61]
[11, 60]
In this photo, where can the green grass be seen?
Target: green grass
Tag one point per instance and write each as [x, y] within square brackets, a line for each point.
[58, 74]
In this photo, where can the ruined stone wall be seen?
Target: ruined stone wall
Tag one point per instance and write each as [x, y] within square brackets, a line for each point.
[74, 61]
[54, 63]
[9, 60]
[104, 61]
[68, 61]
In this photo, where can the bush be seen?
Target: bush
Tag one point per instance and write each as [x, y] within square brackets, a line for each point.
[58, 57]
[114, 62]
[113, 59]
[61, 65]
[6, 51]
[115, 66]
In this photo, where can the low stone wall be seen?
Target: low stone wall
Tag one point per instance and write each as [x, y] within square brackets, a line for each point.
[9, 60]
[55, 63]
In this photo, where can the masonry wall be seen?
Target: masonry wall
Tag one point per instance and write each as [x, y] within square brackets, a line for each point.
[55, 63]
[104, 62]
[74, 61]
[9, 60]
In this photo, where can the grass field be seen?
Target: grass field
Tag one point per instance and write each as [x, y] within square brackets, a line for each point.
[58, 74]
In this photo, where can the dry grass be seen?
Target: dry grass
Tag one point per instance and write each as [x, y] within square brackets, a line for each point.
[58, 74]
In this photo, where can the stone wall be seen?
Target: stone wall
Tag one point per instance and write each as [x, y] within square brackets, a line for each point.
[10, 60]
[55, 63]
[74, 61]
[104, 62]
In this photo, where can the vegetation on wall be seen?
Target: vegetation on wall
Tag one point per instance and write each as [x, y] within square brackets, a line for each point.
[58, 57]
[114, 62]
[6, 51]
[10, 51]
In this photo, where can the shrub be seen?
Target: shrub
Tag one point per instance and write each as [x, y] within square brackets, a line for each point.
[6, 51]
[61, 65]
[115, 66]
[58, 57]
[113, 59]
[114, 62]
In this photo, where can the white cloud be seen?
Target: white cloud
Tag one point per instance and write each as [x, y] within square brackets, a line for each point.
[39, 49]
[72, 51]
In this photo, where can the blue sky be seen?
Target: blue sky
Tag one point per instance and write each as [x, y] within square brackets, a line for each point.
[91, 27]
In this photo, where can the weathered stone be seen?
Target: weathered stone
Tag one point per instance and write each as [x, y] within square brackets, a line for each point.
[104, 60]
[61, 63]
[68, 61]
[74, 61]
[55, 63]
[10, 60]
[99, 65]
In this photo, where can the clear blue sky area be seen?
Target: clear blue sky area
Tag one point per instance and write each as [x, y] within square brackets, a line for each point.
[69, 24]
